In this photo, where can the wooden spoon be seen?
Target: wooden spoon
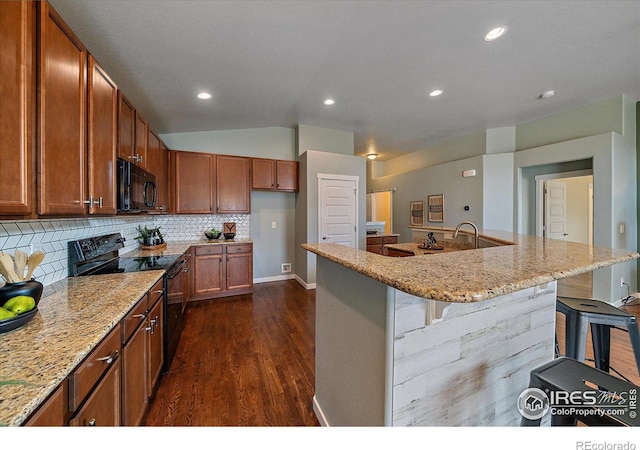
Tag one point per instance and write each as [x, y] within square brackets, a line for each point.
[21, 262]
[34, 261]
[7, 263]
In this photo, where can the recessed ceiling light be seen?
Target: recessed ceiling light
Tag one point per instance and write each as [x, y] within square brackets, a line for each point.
[329, 102]
[372, 156]
[495, 33]
[435, 93]
[547, 94]
[204, 96]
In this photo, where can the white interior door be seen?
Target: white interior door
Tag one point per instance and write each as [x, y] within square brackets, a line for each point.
[338, 211]
[556, 210]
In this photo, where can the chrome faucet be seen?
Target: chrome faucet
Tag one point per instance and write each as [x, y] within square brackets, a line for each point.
[475, 231]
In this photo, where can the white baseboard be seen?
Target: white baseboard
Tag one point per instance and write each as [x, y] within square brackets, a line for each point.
[307, 286]
[290, 276]
[321, 418]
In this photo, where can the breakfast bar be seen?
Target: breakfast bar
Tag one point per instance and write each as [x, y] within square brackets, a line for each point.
[444, 339]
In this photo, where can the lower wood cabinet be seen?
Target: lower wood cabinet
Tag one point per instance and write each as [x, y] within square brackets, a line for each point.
[221, 270]
[375, 244]
[113, 384]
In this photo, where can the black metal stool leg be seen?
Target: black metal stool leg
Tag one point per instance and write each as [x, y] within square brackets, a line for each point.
[601, 339]
[634, 337]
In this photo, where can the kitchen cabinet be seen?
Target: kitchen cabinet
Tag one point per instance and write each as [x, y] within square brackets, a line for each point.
[126, 129]
[142, 354]
[141, 142]
[233, 192]
[17, 108]
[155, 349]
[53, 412]
[158, 156]
[375, 244]
[274, 175]
[62, 99]
[192, 182]
[221, 270]
[134, 364]
[102, 140]
[208, 271]
[94, 386]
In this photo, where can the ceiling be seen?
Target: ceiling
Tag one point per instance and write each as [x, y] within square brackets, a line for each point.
[273, 63]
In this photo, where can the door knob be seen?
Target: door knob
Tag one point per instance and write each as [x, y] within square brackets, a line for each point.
[324, 238]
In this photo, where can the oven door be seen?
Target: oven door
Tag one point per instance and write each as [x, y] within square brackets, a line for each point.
[173, 309]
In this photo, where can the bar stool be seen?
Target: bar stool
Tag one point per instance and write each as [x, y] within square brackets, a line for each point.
[614, 398]
[580, 313]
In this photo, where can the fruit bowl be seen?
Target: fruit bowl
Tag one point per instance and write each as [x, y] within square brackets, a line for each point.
[212, 235]
[18, 321]
[29, 288]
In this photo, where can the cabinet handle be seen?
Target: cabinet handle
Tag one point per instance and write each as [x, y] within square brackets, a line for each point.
[92, 422]
[109, 359]
[99, 202]
[140, 316]
[161, 291]
[89, 202]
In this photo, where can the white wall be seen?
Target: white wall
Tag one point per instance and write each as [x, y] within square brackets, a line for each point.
[324, 139]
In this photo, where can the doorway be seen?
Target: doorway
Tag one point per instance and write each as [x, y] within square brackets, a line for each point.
[380, 208]
[338, 209]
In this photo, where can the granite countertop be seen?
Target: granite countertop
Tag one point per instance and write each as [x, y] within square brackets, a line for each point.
[413, 247]
[179, 247]
[478, 274]
[70, 322]
[383, 235]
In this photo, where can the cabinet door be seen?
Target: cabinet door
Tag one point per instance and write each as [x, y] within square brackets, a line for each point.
[102, 134]
[193, 182]
[62, 185]
[239, 271]
[208, 273]
[141, 144]
[155, 349]
[134, 377]
[287, 176]
[17, 107]
[263, 174]
[233, 192]
[158, 167]
[53, 412]
[126, 129]
[162, 178]
[103, 405]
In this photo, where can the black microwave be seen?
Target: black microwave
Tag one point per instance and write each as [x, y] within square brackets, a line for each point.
[136, 188]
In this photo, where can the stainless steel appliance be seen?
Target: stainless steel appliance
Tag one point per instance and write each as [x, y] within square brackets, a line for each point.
[99, 255]
[136, 188]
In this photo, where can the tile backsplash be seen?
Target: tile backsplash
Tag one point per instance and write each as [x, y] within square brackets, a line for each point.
[53, 235]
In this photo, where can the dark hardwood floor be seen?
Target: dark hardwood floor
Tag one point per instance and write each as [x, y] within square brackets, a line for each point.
[249, 360]
[246, 360]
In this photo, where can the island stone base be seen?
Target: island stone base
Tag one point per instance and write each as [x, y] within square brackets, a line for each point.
[384, 357]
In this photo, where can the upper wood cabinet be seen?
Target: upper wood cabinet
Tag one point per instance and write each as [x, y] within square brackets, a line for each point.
[126, 129]
[102, 136]
[274, 175]
[17, 107]
[141, 144]
[192, 182]
[158, 156]
[233, 192]
[62, 184]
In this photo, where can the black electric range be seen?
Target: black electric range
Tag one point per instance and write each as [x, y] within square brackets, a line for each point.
[99, 256]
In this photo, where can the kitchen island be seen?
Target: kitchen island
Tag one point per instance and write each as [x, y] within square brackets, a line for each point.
[442, 339]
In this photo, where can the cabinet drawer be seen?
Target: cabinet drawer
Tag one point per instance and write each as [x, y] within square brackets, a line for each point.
[156, 292]
[134, 318]
[209, 250]
[84, 378]
[390, 240]
[238, 248]
[374, 240]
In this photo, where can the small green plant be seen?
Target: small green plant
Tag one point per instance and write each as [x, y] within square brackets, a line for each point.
[149, 236]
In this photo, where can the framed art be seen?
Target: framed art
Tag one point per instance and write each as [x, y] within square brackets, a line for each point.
[435, 204]
[417, 213]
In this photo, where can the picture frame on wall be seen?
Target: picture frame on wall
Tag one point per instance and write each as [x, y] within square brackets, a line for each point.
[417, 213]
[435, 204]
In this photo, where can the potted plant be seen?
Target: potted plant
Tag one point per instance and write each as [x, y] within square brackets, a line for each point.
[149, 236]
